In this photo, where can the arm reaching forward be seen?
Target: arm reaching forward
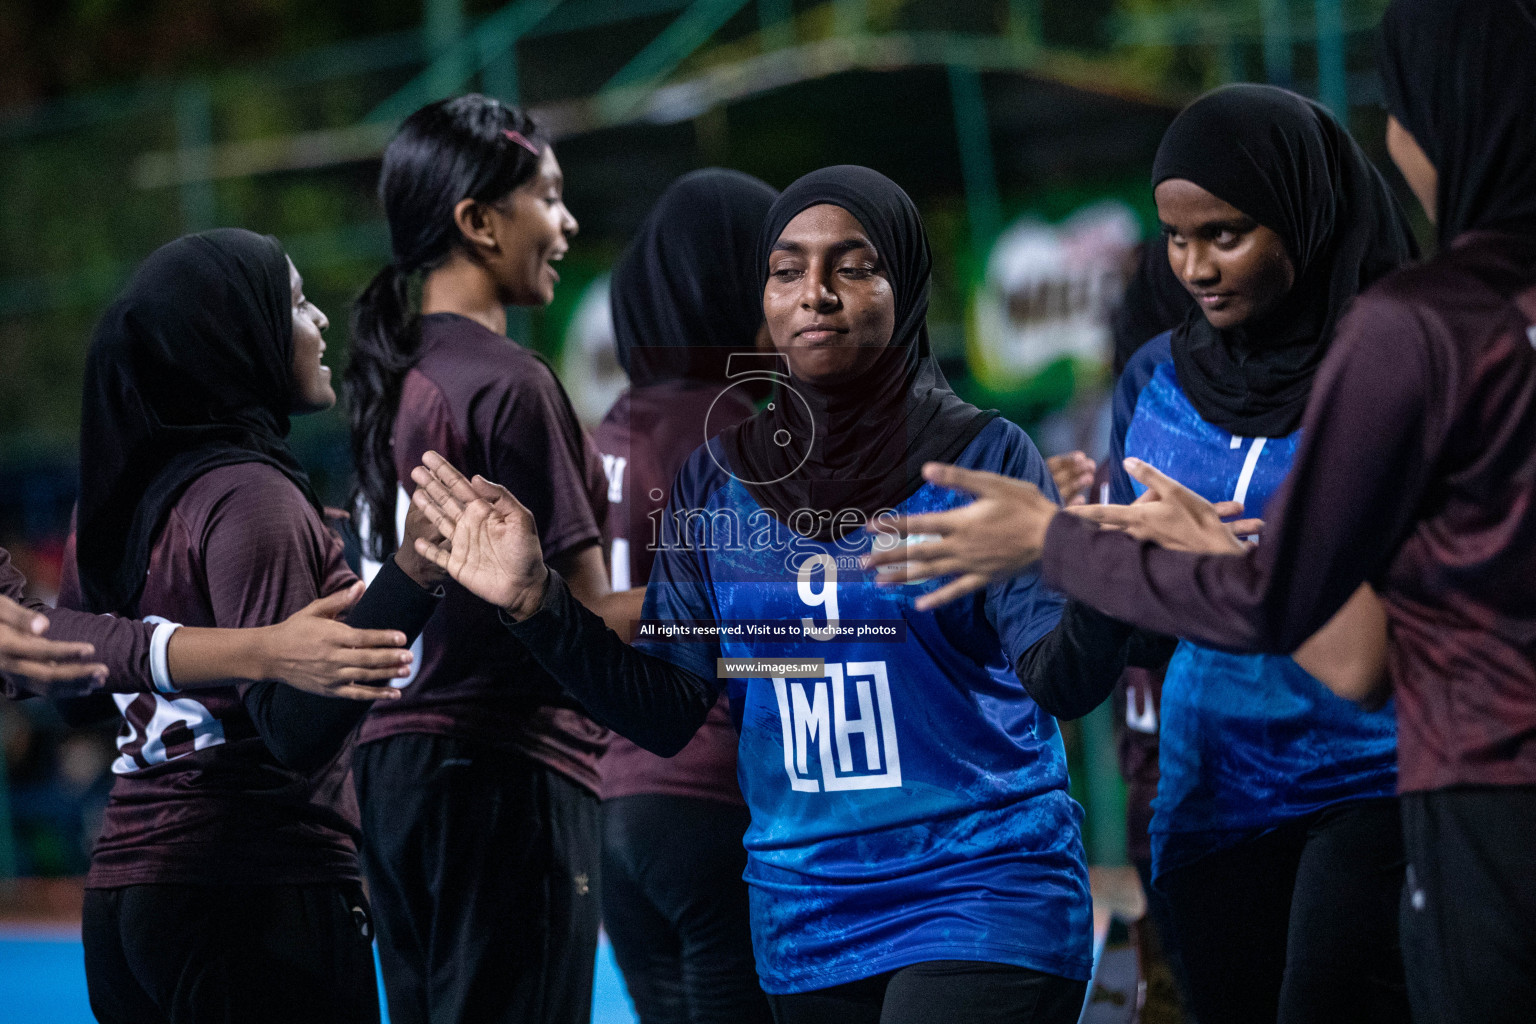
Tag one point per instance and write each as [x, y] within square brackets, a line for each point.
[493, 551]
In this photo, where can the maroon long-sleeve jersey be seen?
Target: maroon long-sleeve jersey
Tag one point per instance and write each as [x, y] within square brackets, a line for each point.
[1417, 473]
[198, 798]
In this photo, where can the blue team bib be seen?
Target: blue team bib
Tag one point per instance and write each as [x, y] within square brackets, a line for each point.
[1247, 741]
[910, 801]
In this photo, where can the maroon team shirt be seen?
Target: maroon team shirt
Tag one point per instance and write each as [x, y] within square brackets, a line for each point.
[491, 407]
[667, 420]
[1417, 473]
[198, 799]
[121, 644]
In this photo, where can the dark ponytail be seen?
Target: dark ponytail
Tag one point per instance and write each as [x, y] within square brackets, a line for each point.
[463, 148]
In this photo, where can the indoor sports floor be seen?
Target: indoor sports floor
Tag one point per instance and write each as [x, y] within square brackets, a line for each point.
[42, 979]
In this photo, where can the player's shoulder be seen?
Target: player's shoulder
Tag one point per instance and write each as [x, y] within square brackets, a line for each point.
[703, 474]
[466, 361]
[1002, 446]
[1140, 367]
[253, 500]
[255, 486]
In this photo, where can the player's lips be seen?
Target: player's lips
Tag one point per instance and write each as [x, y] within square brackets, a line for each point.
[819, 333]
[551, 259]
[1213, 298]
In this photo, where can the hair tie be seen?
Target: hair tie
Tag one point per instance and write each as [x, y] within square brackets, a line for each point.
[518, 138]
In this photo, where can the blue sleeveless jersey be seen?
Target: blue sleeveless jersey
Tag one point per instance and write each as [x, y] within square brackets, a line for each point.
[1248, 741]
[910, 803]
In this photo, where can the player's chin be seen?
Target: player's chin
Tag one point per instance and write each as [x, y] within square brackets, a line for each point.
[824, 364]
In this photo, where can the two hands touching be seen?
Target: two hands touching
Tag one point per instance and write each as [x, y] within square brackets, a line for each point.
[490, 542]
[1002, 532]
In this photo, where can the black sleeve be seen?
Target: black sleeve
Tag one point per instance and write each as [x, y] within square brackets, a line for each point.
[79, 712]
[1073, 668]
[305, 731]
[1149, 649]
[643, 698]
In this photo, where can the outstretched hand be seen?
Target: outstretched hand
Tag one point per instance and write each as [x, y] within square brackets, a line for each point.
[58, 668]
[998, 535]
[492, 541]
[313, 651]
[1175, 517]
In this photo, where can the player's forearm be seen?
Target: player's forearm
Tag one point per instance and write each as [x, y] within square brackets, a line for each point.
[199, 657]
[1073, 668]
[306, 731]
[646, 699]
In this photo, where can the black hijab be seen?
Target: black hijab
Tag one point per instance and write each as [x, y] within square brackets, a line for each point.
[1284, 161]
[685, 294]
[857, 446]
[1460, 75]
[189, 370]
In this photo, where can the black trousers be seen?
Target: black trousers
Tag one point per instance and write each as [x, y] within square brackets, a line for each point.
[1469, 907]
[1298, 925]
[252, 954]
[1156, 932]
[483, 868]
[940, 992]
[675, 906]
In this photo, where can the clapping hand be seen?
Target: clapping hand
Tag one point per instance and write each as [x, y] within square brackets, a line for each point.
[492, 541]
[1175, 517]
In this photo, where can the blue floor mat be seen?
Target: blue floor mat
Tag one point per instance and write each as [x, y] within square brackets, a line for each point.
[42, 980]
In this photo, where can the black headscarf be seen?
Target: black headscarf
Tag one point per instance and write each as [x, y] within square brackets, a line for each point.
[1460, 75]
[864, 441]
[1284, 161]
[189, 370]
[686, 291]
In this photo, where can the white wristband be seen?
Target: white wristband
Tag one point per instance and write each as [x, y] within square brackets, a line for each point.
[159, 662]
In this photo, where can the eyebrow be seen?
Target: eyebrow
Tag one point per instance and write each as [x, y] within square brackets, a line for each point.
[836, 248]
[1229, 224]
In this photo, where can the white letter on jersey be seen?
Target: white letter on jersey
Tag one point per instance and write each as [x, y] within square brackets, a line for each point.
[613, 469]
[810, 725]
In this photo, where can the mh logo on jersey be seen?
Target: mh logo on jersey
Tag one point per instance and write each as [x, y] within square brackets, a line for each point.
[840, 731]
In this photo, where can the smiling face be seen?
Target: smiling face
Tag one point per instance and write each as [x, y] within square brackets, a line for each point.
[828, 302]
[1235, 267]
[312, 389]
[532, 230]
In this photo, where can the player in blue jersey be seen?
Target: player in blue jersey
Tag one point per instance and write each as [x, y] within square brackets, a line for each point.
[1275, 829]
[913, 852]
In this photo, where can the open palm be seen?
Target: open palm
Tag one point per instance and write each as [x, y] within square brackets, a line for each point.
[490, 541]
